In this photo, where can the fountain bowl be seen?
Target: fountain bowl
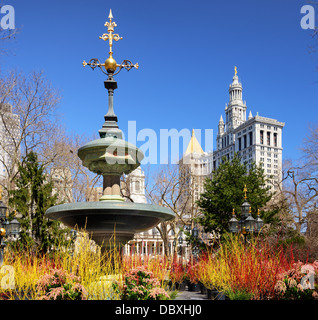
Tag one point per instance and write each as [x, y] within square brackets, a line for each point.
[110, 223]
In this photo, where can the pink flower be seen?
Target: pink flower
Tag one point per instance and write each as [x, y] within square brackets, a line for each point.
[292, 283]
[155, 292]
[300, 287]
[280, 287]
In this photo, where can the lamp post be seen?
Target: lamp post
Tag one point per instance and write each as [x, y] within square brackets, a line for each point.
[7, 228]
[247, 223]
[180, 240]
[195, 234]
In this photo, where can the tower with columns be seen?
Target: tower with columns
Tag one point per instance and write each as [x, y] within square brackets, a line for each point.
[255, 139]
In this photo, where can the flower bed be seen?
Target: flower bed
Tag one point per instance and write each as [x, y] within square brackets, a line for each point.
[298, 282]
[243, 271]
[60, 285]
[140, 284]
[236, 270]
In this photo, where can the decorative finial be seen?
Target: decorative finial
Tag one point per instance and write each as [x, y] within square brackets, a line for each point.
[110, 16]
[192, 132]
[233, 212]
[258, 213]
[235, 71]
[245, 190]
[110, 64]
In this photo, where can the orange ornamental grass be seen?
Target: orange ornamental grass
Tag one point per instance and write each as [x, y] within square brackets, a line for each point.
[249, 268]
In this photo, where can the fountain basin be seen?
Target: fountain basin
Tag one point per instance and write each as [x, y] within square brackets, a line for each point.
[110, 223]
[110, 156]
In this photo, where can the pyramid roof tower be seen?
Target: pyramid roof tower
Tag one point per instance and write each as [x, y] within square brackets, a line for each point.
[194, 146]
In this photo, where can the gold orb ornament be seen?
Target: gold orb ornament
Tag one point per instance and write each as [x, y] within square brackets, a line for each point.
[2, 232]
[110, 64]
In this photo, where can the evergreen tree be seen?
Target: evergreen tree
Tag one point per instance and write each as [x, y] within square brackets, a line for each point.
[31, 198]
[225, 191]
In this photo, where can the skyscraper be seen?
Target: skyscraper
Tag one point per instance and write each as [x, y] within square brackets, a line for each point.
[255, 139]
[9, 140]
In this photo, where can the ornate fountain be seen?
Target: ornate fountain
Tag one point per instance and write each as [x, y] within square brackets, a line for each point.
[111, 221]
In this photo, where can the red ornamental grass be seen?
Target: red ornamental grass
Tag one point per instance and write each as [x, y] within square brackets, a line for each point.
[192, 271]
[254, 268]
[177, 272]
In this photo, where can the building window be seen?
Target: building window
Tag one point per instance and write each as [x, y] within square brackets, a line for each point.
[239, 144]
[245, 144]
[275, 139]
[268, 138]
[261, 137]
[137, 186]
[251, 137]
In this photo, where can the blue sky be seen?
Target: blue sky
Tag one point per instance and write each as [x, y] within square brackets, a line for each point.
[186, 51]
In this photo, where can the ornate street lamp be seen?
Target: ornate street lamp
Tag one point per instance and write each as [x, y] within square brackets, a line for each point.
[247, 223]
[245, 207]
[195, 232]
[13, 227]
[250, 223]
[259, 222]
[233, 224]
[180, 240]
[3, 208]
[7, 228]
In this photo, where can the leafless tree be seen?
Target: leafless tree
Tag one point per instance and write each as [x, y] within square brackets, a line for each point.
[28, 118]
[168, 188]
[301, 188]
[73, 181]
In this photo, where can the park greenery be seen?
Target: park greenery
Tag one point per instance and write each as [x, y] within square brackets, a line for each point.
[47, 262]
